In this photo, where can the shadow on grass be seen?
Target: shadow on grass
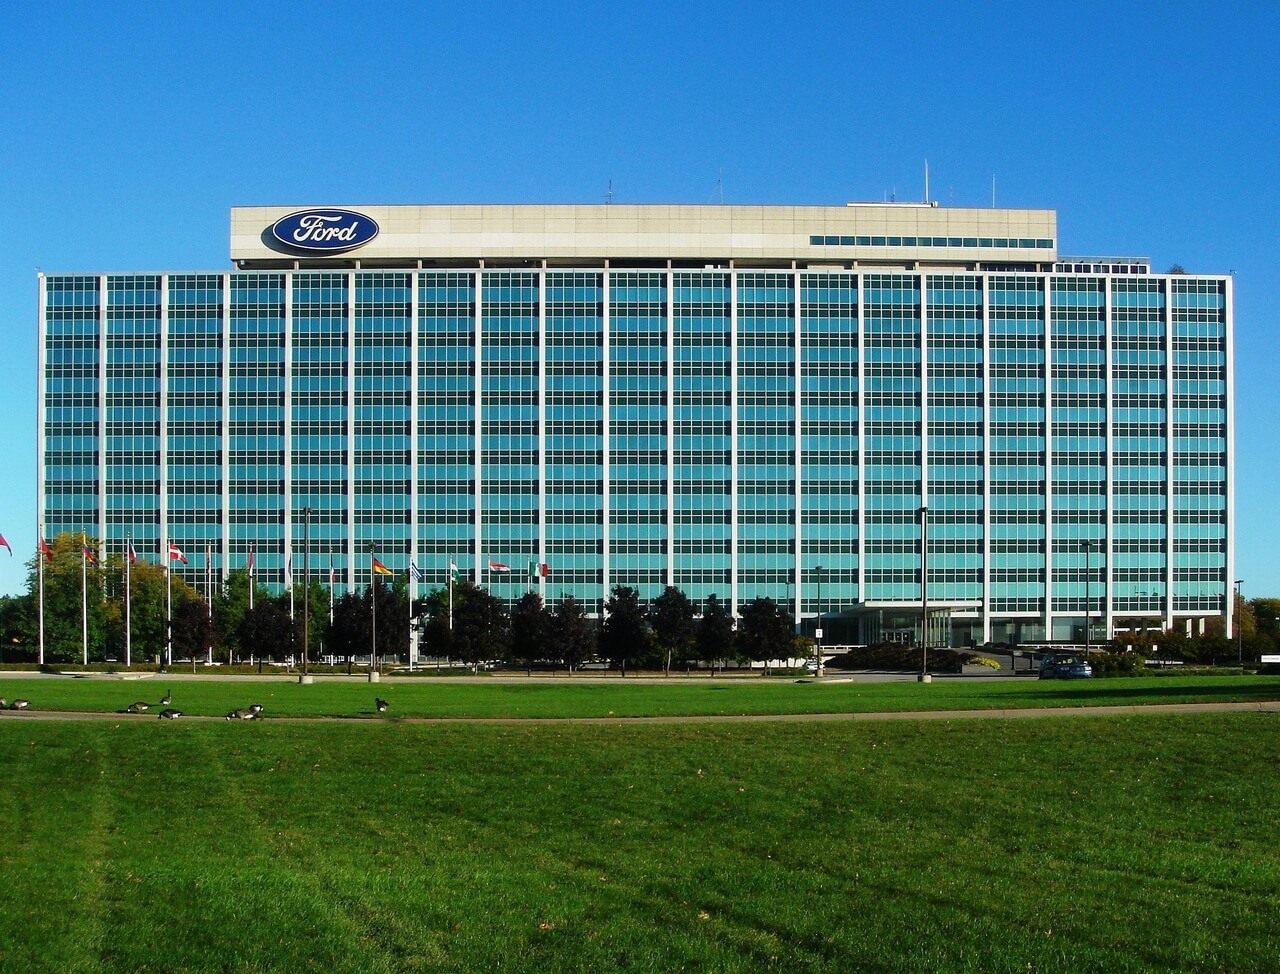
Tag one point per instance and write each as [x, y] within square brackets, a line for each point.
[1105, 690]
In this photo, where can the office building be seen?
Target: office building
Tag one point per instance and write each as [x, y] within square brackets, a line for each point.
[740, 400]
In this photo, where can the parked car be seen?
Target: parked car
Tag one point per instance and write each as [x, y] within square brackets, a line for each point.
[1065, 666]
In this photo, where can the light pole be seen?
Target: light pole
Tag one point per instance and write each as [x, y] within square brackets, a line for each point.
[306, 590]
[817, 631]
[924, 594]
[1235, 620]
[1088, 601]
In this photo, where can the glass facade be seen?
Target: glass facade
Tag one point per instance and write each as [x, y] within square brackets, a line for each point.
[738, 431]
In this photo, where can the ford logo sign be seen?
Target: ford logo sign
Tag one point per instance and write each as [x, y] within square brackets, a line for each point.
[326, 231]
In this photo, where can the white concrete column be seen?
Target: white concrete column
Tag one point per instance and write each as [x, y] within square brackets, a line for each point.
[224, 441]
[734, 428]
[986, 458]
[477, 567]
[1229, 319]
[1047, 281]
[797, 392]
[606, 370]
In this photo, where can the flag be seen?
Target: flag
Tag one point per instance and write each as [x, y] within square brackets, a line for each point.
[89, 556]
[533, 571]
[454, 575]
[6, 544]
[331, 575]
[546, 570]
[46, 550]
[414, 571]
[288, 569]
[175, 553]
[379, 568]
[132, 555]
[497, 566]
[250, 566]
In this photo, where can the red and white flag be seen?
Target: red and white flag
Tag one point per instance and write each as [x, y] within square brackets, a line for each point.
[6, 544]
[546, 570]
[497, 566]
[133, 555]
[251, 563]
[175, 553]
[46, 550]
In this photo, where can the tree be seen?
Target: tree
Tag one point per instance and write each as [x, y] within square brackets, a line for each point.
[671, 616]
[625, 633]
[229, 606]
[766, 632]
[193, 631]
[350, 633]
[530, 630]
[1266, 614]
[715, 632]
[574, 634]
[481, 628]
[266, 631]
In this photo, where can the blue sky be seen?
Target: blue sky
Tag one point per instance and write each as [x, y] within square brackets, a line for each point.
[127, 133]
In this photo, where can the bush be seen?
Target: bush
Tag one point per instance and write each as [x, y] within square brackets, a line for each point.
[1117, 664]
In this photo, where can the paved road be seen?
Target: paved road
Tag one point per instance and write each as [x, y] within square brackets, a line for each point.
[1269, 707]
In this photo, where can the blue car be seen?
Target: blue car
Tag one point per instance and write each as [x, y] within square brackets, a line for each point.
[1065, 666]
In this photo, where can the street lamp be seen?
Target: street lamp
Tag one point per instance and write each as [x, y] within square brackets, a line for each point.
[817, 632]
[924, 594]
[1088, 601]
[1235, 619]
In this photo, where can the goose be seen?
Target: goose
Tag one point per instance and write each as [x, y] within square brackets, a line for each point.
[380, 704]
[138, 707]
[240, 714]
[169, 713]
[255, 709]
[20, 704]
[167, 698]
[3, 703]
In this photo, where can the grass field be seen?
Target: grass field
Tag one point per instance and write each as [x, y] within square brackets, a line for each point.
[1136, 843]
[621, 698]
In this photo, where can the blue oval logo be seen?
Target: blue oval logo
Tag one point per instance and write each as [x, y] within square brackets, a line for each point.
[327, 231]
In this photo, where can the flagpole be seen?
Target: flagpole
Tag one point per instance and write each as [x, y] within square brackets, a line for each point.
[208, 594]
[128, 602]
[251, 585]
[412, 635]
[331, 589]
[168, 569]
[451, 595]
[84, 596]
[373, 603]
[40, 557]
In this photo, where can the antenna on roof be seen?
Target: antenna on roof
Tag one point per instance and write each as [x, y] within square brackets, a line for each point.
[926, 180]
[719, 190]
[993, 191]
[608, 196]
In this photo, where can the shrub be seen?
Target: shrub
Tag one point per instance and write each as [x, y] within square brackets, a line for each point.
[1117, 664]
[982, 661]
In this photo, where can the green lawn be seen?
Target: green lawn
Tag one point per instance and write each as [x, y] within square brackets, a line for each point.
[623, 698]
[1133, 843]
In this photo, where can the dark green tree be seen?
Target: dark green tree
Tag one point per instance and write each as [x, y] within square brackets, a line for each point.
[350, 634]
[1266, 616]
[573, 632]
[672, 617]
[531, 639]
[766, 632]
[625, 633]
[266, 631]
[481, 627]
[715, 632]
[193, 631]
